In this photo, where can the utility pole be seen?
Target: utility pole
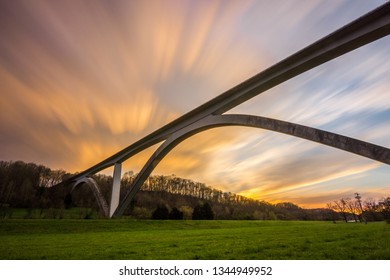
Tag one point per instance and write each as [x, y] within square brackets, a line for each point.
[358, 198]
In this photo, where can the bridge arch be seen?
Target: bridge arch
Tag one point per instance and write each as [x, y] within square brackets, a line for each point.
[91, 183]
[352, 145]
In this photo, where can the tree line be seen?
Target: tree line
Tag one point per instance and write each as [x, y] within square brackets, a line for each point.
[187, 196]
[24, 185]
[358, 210]
[32, 186]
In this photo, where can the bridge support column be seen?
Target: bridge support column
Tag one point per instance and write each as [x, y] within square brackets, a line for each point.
[116, 188]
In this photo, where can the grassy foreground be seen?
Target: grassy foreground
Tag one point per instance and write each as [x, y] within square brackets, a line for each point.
[130, 239]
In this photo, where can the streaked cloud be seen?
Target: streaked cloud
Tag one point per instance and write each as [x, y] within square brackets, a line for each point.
[80, 80]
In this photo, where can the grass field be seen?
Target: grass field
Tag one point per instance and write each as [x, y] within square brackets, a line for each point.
[147, 239]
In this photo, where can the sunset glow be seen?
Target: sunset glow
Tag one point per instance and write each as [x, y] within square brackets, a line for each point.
[81, 80]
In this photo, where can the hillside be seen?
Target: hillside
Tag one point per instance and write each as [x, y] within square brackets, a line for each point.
[28, 185]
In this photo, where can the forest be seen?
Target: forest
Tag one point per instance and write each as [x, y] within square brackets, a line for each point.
[32, 186]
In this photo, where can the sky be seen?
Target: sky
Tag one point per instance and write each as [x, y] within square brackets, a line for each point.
[81, 80]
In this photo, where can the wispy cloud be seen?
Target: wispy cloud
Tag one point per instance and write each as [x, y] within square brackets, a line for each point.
[82, 80]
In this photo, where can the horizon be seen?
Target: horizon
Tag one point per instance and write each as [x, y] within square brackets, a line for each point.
[81, 81]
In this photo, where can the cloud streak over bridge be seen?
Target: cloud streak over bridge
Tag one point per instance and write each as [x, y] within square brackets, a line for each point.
[82, 82]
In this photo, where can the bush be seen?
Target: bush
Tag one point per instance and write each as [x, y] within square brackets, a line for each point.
[141, 213]
[176, 214]
[203, 212]
[161, 213]
[187, 212]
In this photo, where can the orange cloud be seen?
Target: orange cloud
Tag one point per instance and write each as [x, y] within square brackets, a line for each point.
[82, 80]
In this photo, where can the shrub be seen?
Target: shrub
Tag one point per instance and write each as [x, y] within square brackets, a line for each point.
[203, 212]
[175, 214]
[161, 213]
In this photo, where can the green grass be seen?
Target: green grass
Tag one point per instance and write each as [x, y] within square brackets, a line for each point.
[147, 239]
[51, 213]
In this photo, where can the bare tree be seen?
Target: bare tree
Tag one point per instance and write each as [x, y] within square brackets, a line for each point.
[340, 206]
[351, 207]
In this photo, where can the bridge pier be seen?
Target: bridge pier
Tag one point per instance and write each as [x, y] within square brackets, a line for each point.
[116, 188]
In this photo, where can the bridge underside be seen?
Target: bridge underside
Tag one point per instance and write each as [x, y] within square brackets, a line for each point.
[366, 29]
[338, 141]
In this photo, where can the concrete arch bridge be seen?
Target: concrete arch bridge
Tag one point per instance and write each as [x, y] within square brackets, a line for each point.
[364, 30]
